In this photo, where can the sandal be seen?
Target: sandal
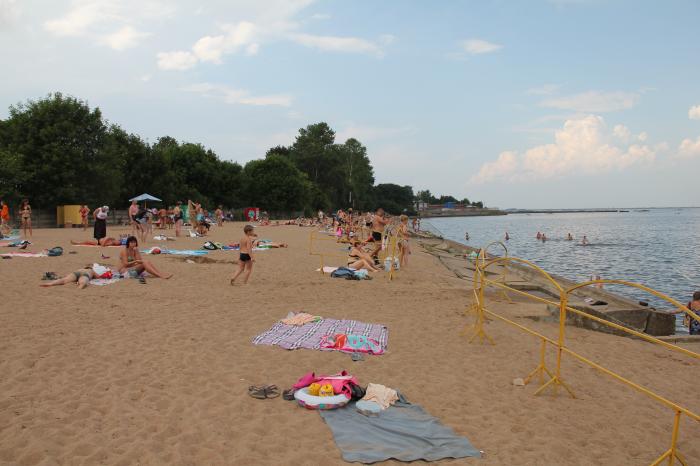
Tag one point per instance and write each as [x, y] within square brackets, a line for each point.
[263, 392]
[49, 276]
[288, 394]
[142, 280]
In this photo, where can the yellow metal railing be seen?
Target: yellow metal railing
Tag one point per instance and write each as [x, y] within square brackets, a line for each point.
[555, 377]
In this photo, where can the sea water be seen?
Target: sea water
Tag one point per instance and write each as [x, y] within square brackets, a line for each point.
[659, 248]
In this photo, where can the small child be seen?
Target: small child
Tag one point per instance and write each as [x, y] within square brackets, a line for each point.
[245, 262]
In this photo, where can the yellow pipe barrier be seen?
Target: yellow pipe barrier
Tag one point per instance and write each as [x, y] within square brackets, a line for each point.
[555, 379]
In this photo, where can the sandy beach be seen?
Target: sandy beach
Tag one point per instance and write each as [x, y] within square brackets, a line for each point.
[130, 374]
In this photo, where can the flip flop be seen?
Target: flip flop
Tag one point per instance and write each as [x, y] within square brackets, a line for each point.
[263, 392]
[288, 394]
[142, 280]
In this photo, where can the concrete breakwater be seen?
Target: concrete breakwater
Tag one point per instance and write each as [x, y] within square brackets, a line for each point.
[594, 301]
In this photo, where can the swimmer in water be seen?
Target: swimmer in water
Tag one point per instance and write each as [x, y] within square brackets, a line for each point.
[584, 241]
[507, 236]
[539, 235]
[569, 237]
[544, 237]
[466, 236]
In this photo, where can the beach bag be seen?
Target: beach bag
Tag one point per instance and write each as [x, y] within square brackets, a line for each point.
[55, 251]
[344, 272]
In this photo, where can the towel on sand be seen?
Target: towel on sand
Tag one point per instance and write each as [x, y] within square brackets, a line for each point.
[404, 432]
[310, 336]
[24, 254]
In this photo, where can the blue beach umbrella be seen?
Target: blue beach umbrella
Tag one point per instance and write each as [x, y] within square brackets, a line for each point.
[145, 197]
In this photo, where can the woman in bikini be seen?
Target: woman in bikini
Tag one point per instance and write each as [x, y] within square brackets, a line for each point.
[358, 259]
[131, 263]
[81, 277]
[25, 211]
[404, 247]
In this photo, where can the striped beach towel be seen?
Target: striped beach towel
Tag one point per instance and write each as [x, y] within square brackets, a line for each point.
[309, 335]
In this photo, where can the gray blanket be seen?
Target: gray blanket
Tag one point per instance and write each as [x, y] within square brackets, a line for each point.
[404, 432]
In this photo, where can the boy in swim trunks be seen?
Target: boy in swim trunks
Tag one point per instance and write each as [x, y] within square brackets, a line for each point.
[245, 262]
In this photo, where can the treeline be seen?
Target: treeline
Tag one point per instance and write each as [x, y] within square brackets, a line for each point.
[58, 151]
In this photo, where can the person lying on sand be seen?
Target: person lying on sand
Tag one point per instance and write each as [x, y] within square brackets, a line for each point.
[101, 242]
[81, 277]
[358, 259]
[131, 264]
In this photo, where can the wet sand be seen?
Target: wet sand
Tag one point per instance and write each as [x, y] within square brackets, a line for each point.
[158, 373]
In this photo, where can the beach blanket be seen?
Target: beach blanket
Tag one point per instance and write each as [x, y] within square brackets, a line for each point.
[404, 432]
[327, 269]
[310, 336]
[178, 252]
[104, 281]
[24, 254]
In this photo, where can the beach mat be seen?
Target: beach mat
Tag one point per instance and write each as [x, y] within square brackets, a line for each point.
[179, 252]
[104, 281]
[309, 335]
[24, 254]
[405, 432]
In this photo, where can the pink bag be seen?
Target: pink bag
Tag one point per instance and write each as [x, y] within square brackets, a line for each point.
[342, 383]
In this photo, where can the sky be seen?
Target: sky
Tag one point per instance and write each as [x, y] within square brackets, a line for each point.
[537, 104]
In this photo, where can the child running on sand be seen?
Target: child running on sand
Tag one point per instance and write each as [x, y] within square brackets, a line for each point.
[245, 262]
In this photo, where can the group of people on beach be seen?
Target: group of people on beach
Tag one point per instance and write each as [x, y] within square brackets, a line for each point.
[25, 216]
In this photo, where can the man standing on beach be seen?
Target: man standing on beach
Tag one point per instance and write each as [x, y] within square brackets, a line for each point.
[378, 224]
[133, 210]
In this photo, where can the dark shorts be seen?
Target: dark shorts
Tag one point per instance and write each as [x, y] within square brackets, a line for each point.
[245, 257]
[376, 236]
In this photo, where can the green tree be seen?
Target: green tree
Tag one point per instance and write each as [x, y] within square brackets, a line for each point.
[310, 151]
[426, 196]
[393, 198]
[12, 177]
[61, 143]
[275, 184]
[358, 175]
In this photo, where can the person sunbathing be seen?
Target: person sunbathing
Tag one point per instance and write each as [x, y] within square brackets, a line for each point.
[101, 242]
[358, 259]
[81, 277]
[131, 264]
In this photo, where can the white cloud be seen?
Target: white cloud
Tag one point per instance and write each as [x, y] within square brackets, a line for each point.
[125, 38]
[583, 146]
[694, 112]
[9, 12]
[274, 21]
[78, 20]
[594, 101]
[176, 60]
[479, 46]
[545, 89]
[91, 18]
[320, 16]
[338, 44]
[689, 148]
[239, 96]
